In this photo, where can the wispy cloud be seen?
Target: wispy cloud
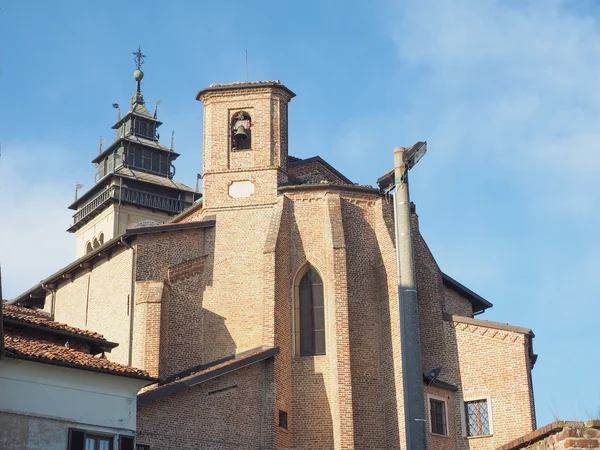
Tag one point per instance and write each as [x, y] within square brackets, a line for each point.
[509, 93]
[33, 241]
[520, 77]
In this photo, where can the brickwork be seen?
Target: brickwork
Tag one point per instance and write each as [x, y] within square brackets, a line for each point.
[220, 414]
[390, 364]
[435, 441]
[98, 298]
[267, 107]
[364, 262]
[456, 303]
[313, 172]
[147, 325]
[431, 303]
[313, 405]
[206, 294]
[490, 363]
[559, 436]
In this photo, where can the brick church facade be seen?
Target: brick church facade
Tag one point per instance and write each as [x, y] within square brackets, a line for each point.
[269, 309]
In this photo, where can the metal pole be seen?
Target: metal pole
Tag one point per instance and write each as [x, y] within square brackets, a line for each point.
[412, 377]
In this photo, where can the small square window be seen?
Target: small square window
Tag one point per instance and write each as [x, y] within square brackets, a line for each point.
[477, 417]
[438, 417]
[283, 423]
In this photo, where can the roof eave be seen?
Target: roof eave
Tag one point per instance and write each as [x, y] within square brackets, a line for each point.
[239, 86]
[119, 240]
[188, 382]
[323, 162]
[102, 344]
[479, 303]
[79, 367]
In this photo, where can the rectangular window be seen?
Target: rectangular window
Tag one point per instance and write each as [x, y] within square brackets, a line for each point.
[155, 162]
[164, 164]
[147, 159]
[85, 440]
[438, 419]
[283, 419]
[138, 158]
[477, 417]
[142, 447]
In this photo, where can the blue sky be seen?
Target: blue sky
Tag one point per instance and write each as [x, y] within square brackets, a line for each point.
[507, 94]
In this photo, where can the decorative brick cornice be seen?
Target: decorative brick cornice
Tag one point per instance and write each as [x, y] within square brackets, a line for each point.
[486, 324]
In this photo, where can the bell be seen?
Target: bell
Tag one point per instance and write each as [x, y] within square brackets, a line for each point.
[240, 133]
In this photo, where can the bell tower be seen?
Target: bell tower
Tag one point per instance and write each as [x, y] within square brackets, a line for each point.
[134, 183]
[245, 143]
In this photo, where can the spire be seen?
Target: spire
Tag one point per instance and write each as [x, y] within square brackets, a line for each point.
[139, 58]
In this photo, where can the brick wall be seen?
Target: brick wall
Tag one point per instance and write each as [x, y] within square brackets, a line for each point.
[490, 362]
[98, 298]
[456, 303]
[223, 413]
[559, 436]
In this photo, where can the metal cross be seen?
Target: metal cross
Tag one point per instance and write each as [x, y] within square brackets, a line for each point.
[139, 58]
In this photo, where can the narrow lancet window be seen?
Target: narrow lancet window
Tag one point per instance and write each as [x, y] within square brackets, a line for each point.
[309, 314]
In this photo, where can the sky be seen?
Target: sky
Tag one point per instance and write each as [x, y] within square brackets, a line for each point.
[506, 93]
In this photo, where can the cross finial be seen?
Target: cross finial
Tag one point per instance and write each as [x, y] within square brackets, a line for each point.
[139, 58]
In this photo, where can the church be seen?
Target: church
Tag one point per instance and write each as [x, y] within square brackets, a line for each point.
[267, 306]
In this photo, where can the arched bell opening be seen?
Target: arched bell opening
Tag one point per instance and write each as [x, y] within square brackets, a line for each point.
[241, 134]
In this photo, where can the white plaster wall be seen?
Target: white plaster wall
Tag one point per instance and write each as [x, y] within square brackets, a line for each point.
[96, 401]
[103, 223]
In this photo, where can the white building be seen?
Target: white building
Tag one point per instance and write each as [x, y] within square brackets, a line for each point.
[57, 391]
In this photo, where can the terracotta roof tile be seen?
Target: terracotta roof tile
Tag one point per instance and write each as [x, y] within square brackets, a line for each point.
[52, 352]
[31, 316]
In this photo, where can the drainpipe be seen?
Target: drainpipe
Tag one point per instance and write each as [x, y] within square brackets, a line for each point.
[412, 377]
[52, 298]
[131, 299]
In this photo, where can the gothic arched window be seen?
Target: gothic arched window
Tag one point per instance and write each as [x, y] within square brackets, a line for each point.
[241, 135]
[309, 313]
[88, 247]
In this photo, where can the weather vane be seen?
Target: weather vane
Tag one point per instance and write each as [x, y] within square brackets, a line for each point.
[139, 58]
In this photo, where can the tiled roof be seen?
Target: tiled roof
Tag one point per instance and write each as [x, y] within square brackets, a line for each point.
[31, 316]
[45, 351]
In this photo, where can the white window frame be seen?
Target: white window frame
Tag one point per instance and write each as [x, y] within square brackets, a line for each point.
[440, 399]
[463, 415]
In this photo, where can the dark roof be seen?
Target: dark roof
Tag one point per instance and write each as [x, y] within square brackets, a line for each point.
[244, 85]
[35, 349]
[37, 292]
[125, 172]
[479, 303]
[295, 162]
[208, 372]
[136, 140]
